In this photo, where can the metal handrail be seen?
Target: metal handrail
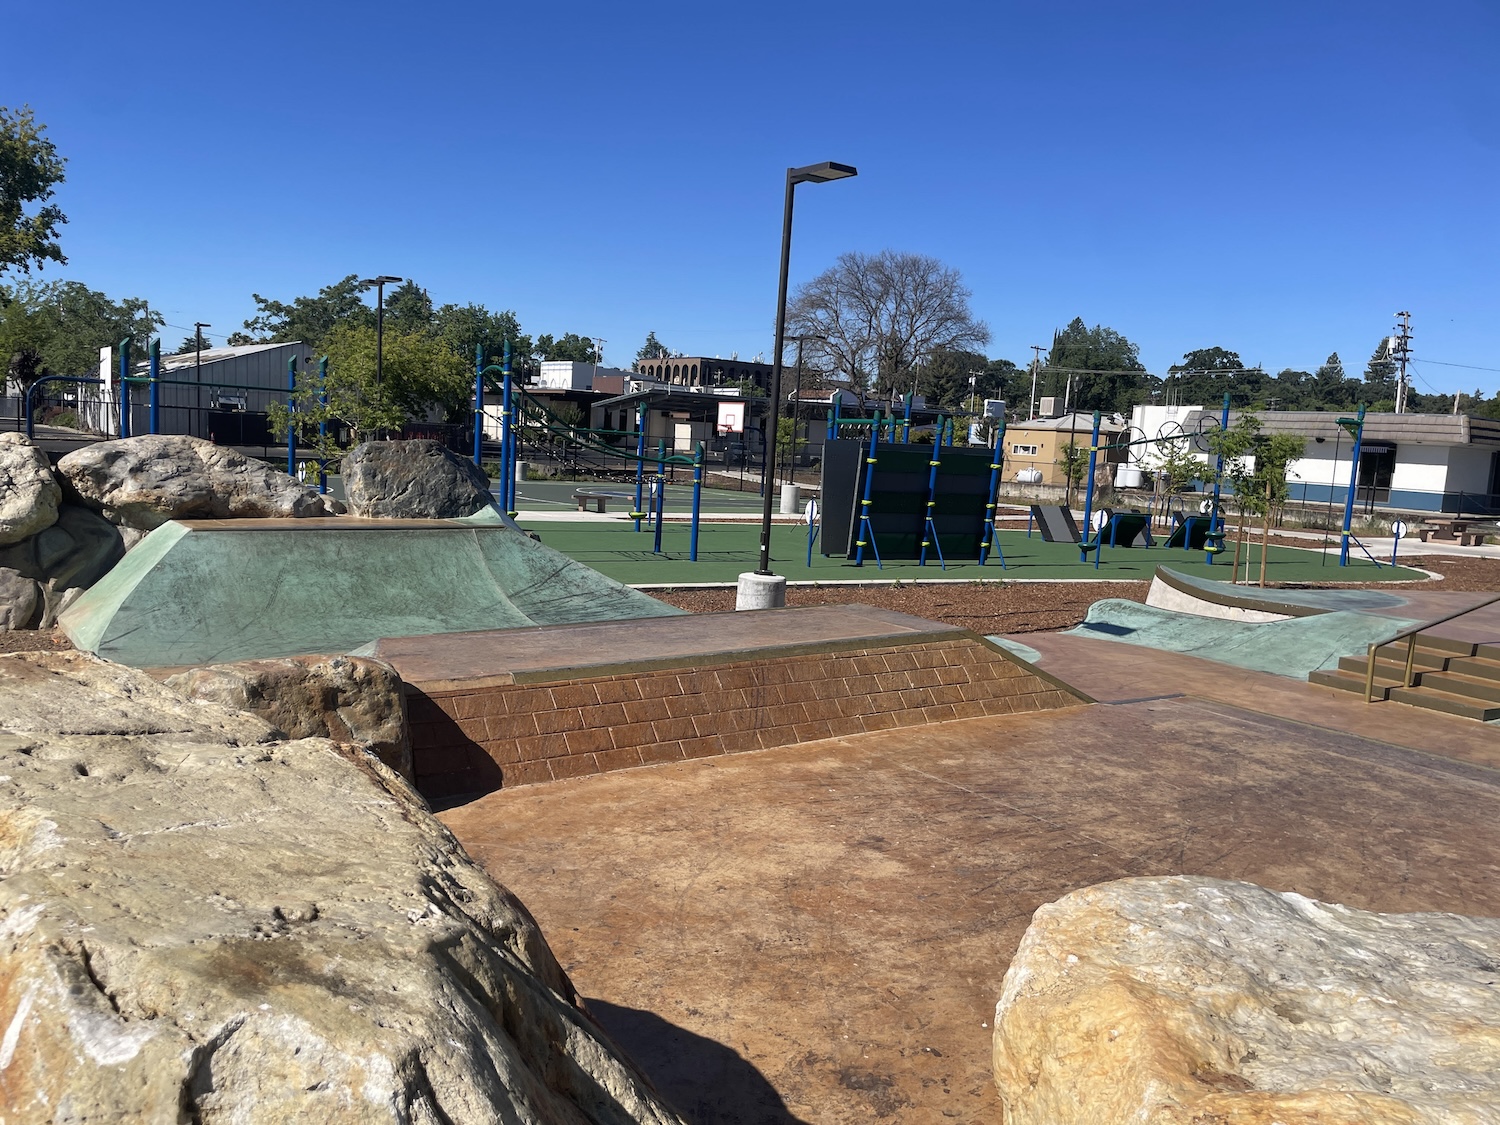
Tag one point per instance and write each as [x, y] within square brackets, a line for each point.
[1410, 637]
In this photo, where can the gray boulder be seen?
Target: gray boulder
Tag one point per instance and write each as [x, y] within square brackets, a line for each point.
[203, 925]
[351, 699]
[29, 493]
[417, 479]
[20, 600]
[65, 559]
[143, 482]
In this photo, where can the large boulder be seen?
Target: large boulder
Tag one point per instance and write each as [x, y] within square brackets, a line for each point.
[29, 493]
[63, 560]
[143, 482]
[1192, 1000]
[417, 479]
[352, 699]
[20, 600]
[202, 925]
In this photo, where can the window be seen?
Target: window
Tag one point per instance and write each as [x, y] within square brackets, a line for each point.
[1024, 450]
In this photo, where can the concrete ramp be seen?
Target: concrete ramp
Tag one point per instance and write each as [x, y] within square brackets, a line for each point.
[208, 591]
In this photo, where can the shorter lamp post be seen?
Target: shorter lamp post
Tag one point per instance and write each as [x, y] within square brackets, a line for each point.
[380, 283]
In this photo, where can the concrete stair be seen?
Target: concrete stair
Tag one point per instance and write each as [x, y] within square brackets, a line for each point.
[1454, 677]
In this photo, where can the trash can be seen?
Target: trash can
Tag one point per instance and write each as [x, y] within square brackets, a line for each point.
[520, 472]
[791, 499]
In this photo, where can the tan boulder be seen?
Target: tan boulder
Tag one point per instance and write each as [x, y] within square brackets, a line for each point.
[204, 926]
[143, 482]
[1194, 1001]
[352, 699]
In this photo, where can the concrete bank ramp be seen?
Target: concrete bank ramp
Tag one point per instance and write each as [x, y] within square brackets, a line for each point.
[1292, 647]
[208, 591]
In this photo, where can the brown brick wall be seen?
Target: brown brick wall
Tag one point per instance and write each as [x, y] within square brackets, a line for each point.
[481, 739]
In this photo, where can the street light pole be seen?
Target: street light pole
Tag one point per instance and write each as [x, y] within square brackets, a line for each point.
[380, 283]
[810, 174]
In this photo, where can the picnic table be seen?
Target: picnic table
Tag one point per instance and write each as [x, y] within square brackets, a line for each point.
[1459, 528]
[600, 498]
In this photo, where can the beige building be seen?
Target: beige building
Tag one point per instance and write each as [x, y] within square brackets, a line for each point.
[1034, 449]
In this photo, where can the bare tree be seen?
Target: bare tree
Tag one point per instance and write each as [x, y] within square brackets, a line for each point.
[882, 315]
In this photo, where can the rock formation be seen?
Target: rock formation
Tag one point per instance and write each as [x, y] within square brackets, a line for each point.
[351, 699]
[205, 925]
[143, 482]
[49, 552]
[1191, 1000]
[29, 494]
[412, 480]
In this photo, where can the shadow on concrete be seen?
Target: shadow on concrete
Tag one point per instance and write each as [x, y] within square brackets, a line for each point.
[705, 1081]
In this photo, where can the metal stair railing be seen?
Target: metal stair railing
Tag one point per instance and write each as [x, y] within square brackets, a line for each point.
[1410, 637]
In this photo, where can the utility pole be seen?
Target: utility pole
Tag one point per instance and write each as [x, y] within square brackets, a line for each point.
[198, 327]
[1402, 350]
[1036, 364]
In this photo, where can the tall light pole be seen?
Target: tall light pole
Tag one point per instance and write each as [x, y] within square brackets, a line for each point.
[380, 283]
[198, 327]
[810, 174]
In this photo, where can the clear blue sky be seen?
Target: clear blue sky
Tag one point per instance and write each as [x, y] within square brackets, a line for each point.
[1275, 178]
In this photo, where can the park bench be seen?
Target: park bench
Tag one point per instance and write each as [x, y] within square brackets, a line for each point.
[599, 497]
[1462, 531]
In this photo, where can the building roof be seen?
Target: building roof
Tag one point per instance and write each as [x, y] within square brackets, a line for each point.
[1434, 429]
[216, 355]
[1077, 421]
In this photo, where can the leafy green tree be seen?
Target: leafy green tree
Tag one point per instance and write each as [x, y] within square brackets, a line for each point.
[408, 309]
[462, 328]
[576, 348]
[1073, 459]
[944, 378]
[1106, 367]
[1331, 387]
[29, 170]
[308, 319]
[190, 345]
[1380, 375]
[348, 399]
[66, 323]
[418, 371]
[652, 348]
[1255, 467]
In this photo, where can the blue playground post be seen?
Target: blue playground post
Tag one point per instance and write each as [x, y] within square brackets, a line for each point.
[1215, 516]
[866, 535]
[661, 488]
[697, 502]
[906, 423]
[125, 387]
[510, 437]
[640, 460]
[833, 418]
[291, 422]
[812, 529]
[478, 400]
[1359, 433]
[989, 537]
[1088, 496]
[322, 424]
[929, 529]
[155, 354]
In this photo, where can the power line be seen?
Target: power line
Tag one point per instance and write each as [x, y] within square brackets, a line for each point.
[1467, 366]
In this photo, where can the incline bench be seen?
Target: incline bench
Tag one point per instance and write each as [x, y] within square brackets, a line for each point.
[600, 498]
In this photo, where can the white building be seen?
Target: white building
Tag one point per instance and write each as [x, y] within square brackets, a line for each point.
[1408, 462]
[570, 375]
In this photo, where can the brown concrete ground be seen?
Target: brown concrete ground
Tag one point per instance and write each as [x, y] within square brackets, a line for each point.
[819, 932]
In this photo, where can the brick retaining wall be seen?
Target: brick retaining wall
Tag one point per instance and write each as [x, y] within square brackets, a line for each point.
[476, 739]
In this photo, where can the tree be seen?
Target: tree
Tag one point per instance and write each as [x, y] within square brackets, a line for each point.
[308, 319]
[944, 378]
[190, 345]
[652, 348]
[66, 323]
[1255, 467]
[408, 309]
[1106, 368]
[1380, 375]
[467, 328]
[882, 315]
[1074, 462]
[1331, 386]
[29, 169]
[347, 398]
[418, 371]
[579, 349]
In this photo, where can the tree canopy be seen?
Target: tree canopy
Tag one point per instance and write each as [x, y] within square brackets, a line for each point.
[652, 348]
[580, 349]
[57, 328]
[29, 171]
[308, 319]
[1105, 368]
[882, 315]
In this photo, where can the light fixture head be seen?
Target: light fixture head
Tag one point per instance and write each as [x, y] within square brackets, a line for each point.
[821, 173]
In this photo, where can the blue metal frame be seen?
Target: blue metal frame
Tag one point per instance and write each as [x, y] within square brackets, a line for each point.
[866, 534]
[996, 460]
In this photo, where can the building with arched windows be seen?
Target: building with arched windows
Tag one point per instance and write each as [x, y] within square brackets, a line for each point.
[705, 371]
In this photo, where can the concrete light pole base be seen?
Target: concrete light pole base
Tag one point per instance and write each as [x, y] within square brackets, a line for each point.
[760, 591]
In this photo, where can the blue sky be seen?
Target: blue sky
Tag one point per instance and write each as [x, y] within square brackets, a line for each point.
[1275, 178]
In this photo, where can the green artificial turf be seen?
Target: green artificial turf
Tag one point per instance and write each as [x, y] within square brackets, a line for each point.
[727, 550]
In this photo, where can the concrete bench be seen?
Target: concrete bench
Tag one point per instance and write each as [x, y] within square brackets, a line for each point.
[600, 498]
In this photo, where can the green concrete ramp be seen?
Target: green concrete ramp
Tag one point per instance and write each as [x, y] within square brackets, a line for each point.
[208, 591]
